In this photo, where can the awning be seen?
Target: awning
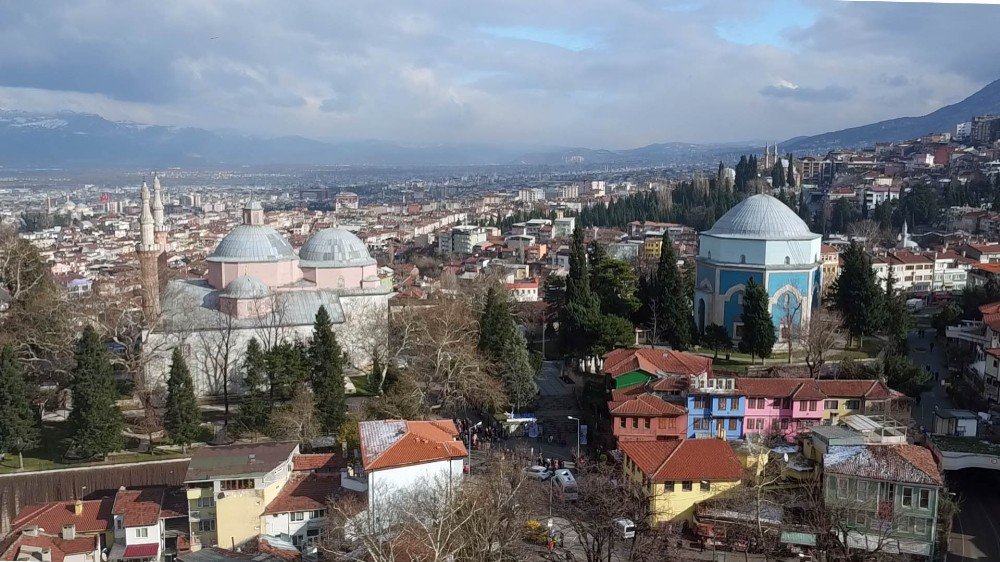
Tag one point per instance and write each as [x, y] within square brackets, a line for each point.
[793, 537]
[141, 550]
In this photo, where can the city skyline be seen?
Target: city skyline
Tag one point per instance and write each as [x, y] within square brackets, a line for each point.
[581, 74]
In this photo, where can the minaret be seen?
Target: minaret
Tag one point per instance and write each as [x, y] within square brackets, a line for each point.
[159, 228]
[148, 252]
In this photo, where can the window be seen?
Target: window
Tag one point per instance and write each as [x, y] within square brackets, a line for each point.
[907, 497]
[919, 525]
[635, 423]
[142, 532]
[862, 492]
[853, 405]
[206, 501]
[298, 516]
[621, 422]
[831, 404]
[722, 404]
[732, 424]
[924, 500]
[243, 484]
[318, 513]
[668, 486]
[686, 486]
[812, 405]
[645, 422]
[861, 520]
[705, 486]
[788, 260]
[843, 489]
[206, 525]
[784, 423]
[743, 258]
[700, 424]
[119, 524]
[699, 402]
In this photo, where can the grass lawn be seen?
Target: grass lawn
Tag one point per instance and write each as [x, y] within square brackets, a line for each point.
[50, 453]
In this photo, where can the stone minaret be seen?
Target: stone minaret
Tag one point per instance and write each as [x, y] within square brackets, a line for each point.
[149, 253]
[159, 228]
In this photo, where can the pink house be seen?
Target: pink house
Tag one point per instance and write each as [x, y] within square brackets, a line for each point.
[781, 406]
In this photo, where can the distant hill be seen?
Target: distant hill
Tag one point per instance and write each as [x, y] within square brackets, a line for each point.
[985, 101]
[80, 140]
[653, 154]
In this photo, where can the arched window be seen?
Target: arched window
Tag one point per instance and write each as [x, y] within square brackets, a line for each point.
[743, 258]
[788, 260]
[340, 282]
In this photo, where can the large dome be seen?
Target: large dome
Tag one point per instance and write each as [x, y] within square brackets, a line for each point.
[252, 244]
[334, 247]
[761, 217]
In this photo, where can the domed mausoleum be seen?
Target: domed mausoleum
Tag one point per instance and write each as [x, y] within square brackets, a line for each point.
[763, 239]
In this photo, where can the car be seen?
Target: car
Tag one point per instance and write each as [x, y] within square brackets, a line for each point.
[539, 473]
[624, 528]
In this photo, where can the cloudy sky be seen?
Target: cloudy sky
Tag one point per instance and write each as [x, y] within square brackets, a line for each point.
[599, 73]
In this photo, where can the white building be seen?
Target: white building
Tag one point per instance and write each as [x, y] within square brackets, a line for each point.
[461, 239]
[563, 227]
[523, 290]
[401, 456]
[147, 524]
[598, 188]
[963, 130]
[877, 194]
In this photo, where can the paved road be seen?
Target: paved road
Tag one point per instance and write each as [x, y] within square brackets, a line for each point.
[921, 354]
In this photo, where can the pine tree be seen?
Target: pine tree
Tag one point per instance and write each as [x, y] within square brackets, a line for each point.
[615, 281]
[327, 373]
[758, 327]
[674, 314]
[255, 403]
[790, 180]
[182, 417]
[898, 320]
[505, 346]
[857, 294]
[95, 419]
[19, 430]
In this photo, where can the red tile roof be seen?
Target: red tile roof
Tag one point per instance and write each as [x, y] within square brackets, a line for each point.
[141, 550]
[304, 492]
[991, 308]
[810, 389]
[645, 405]
[684, 459]
[395, 443]
[666, 361]
[870, 389]
[324, 462]
[95, 517]
[768, 388]
[59, 548]
[139, 508]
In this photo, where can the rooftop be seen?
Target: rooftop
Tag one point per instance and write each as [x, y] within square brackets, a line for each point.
[684, 459]
[248, 460]
[395, 443]
[95, 516]
[655, 361]
[761, 217]
[304, 492]
[893, 463]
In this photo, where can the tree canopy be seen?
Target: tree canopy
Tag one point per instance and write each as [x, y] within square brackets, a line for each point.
[182, 417]
[758, 336]
[857, 294]
[327, 360]
[95, 419]
[19, 427]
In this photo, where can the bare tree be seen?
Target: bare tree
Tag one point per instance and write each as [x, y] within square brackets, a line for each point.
[270, 318]
[868, 231]
[218, 355]
[296, 419]
[820, 336]
[791, 322]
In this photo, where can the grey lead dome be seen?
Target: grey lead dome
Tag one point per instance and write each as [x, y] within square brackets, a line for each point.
[334, 247]
[761, 217]
[252, 244]
[246, 287]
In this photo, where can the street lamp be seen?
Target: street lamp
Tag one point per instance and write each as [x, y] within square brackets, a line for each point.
[577, 438]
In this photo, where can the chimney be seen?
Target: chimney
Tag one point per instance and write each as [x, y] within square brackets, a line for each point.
[69, 532]
[46, 555]
[78, 508]
[31, 531]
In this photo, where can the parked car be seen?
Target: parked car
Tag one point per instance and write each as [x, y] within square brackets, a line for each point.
[624, 528]
[539, 473]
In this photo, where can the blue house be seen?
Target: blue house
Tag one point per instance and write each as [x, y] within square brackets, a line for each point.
[715, 407]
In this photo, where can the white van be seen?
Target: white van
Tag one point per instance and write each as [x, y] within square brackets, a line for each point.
[624, 528]
[566, 484]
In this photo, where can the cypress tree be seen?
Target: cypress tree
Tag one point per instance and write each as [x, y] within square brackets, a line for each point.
[505, 346]
[790, 180]
[758, 327]
[673, 307]
[95, 420]
[857, 294]
[255, 402]
[182, 417]
[19, 429]
[327, 373]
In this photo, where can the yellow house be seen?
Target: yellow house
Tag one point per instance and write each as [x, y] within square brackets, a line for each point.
[848, 397]
[681, 473]
[651, 246]
[228, 489]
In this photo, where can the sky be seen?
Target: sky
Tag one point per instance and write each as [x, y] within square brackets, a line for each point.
[595, 73]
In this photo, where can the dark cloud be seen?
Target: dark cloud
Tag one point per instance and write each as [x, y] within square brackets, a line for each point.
[562, 72]
[825, 94]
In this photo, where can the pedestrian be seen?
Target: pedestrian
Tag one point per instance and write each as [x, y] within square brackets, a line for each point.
[932, 346]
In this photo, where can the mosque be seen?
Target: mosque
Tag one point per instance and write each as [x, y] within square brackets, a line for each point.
[760, 238]
[256, 286]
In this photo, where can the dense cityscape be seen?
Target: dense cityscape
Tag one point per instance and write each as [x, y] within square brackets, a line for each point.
[221, 347]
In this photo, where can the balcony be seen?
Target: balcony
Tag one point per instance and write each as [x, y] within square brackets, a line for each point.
[970, 331]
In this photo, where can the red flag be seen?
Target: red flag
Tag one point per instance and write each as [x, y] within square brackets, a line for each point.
[105, 197]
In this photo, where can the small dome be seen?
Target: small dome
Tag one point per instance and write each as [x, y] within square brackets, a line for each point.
[252, 244]
[334, 247]
[246, 287]
[761, 217]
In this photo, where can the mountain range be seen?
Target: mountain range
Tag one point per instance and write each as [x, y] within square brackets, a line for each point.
[79, 140]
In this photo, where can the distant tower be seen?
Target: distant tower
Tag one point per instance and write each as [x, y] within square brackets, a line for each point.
[148, 252]
[159, 228]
